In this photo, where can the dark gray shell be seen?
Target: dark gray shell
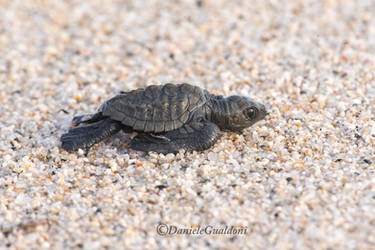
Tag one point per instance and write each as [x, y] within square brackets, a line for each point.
[157, 108]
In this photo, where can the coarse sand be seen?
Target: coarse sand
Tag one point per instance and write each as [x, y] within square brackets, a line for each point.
[303, 178]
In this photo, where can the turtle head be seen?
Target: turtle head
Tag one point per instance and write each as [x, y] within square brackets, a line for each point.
[241, 112]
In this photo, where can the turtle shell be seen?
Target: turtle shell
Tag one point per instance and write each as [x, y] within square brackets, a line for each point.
[157, 108]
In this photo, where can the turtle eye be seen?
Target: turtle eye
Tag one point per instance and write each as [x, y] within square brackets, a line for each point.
[251, 113]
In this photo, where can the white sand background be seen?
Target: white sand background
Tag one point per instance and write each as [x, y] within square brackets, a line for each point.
[303, 178]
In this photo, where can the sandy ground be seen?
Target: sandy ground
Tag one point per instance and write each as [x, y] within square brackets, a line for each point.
[302, 178]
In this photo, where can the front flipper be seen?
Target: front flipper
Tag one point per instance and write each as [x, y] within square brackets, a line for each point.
[198, 135]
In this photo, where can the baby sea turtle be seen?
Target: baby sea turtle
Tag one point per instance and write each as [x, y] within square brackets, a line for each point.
[167, 118]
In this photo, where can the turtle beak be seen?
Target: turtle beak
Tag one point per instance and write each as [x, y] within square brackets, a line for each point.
[265, 114]
[264, 110]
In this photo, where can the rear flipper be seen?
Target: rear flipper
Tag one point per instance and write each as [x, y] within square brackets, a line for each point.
[86, 136]
[90, 118]
[198, 135]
